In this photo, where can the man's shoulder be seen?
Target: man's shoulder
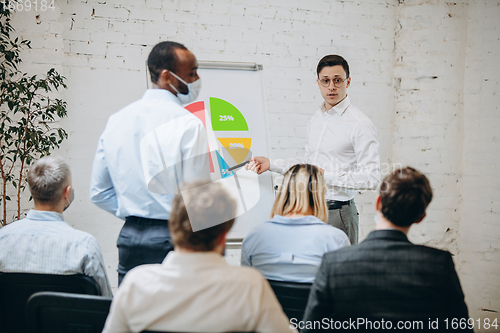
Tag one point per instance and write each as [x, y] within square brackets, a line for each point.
[150, 108]
[129, 108]
[28, 226]
[240, 274]
[386, 250]
[432, 251]
[151, 274]
[82, 235]
[13, 226]
[357, 114]
[53, 229]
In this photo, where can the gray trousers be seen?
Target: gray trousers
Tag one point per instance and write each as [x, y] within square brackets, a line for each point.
[346, 218]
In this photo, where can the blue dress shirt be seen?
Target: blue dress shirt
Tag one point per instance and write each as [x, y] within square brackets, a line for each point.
[145, 152]
[291, 249]
[43, 243]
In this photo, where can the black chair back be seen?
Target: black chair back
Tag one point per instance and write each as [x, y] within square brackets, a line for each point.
[55, 312]
[292, 297]
[16, 288]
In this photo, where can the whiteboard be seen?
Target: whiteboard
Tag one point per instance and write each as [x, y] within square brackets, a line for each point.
[231, 105]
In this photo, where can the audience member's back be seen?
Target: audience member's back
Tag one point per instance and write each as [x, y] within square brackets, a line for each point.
[194, 289]
[389, 277]
[291, 245]
[386, 277]
[42, 242]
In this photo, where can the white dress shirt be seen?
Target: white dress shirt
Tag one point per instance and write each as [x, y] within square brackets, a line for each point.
[195, 292]
[343, 141]
[43, 243]
[291, 249]
[145, 152]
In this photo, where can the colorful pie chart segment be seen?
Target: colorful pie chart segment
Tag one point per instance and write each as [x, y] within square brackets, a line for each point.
[223, 167]
[238, 148]
[225, 116]
[229, 141]
[219, 118]
[198, 109]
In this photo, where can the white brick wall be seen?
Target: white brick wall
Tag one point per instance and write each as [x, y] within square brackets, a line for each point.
[479, 192]
[426, 73]
[427, 117]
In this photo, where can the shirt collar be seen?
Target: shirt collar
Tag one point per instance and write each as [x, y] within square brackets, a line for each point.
[161, 94]
[41, 215]
[387, 234]
[303, 220]
[193, 260]
[339, 108]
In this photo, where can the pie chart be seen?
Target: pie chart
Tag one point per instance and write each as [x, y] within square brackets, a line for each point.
[227, 131]
[230, 142]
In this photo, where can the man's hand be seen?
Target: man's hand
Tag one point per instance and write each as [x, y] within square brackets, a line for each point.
[322, 171]
[258, 164]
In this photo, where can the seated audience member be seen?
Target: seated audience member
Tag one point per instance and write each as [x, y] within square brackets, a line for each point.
[386, 277]
[291, 245]
[194, 289]
[42, 242]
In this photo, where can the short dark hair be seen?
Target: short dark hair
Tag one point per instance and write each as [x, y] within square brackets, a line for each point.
[210, 203]
[161, 57]
[47, 179]
[405, 194]
[333, 60]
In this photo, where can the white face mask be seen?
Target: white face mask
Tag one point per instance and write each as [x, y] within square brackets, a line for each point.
[193, 90]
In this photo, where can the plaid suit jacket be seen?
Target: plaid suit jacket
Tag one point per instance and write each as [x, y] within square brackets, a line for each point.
[387, 277]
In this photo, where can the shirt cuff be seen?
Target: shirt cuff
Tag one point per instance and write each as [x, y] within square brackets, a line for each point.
[274, 166]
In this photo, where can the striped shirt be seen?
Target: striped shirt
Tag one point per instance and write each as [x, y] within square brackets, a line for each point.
[43, 243]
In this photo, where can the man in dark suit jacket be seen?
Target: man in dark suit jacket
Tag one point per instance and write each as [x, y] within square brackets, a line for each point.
[386, 282]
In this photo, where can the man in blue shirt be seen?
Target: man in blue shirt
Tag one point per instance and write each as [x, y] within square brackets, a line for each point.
[146, 151]
[42, 242]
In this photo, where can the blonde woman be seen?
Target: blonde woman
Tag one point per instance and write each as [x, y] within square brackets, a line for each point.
[291, 245]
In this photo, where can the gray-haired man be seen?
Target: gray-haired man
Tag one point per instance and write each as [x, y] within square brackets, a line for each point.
[42, 242]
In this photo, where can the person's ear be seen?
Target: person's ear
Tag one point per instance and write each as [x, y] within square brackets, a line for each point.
[423, 217]
[67, 193]
[222, 238]
[348, 82]
[165, 77]
[378, 203]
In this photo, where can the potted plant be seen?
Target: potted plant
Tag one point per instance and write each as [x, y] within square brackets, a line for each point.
[28, 110]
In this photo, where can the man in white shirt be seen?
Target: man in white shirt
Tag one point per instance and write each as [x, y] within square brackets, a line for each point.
[194, 289]
[146, 151]
[342, 141]
[42, 242]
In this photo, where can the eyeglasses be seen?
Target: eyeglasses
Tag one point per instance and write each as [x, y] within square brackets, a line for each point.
[337, 82]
